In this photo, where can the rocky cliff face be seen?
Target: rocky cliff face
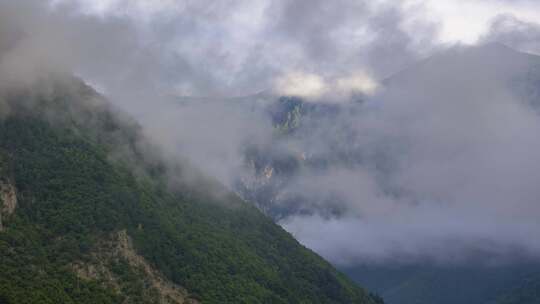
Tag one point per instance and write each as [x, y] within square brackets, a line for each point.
[8, 199]
[117, 252]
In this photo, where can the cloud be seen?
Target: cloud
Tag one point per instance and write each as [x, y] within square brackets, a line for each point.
[229, 48]
[302, 85]
[358, 82]
[519, 34]
[465, 21]
[447, 170]
[313, 87]
[445, 155]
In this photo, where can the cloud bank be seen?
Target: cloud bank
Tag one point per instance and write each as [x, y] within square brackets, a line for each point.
[444, 155]
[450, 167]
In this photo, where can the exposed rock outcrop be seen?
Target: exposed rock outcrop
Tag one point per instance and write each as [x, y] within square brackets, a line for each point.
[8, 201]
[119, 249]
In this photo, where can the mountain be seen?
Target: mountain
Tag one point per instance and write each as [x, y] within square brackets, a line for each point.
[486, 67]
[466, 283]
[90, 213]
[491, 66]
[527, 292]
[483, 70]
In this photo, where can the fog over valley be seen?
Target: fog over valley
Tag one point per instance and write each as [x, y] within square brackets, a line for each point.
[378, 133]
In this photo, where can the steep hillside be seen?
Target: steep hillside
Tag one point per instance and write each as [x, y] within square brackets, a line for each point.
[94, 220]
[466, 284]
[462, 70]
[527, 293]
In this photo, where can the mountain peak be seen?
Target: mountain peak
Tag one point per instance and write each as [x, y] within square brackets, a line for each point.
[491, 60]
[494, 46]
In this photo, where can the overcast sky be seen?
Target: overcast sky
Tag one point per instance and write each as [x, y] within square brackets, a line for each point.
[303, 47]
[459, 20]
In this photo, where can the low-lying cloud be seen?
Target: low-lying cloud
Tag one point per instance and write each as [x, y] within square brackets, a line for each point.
[461, 152]
[313, 87]
[440, 162]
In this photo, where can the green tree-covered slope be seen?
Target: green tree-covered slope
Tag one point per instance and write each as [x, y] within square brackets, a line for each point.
[471, 283]
[527, 293]
[81, 179]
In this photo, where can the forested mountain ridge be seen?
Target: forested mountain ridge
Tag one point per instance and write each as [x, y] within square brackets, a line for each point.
[98, 219]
